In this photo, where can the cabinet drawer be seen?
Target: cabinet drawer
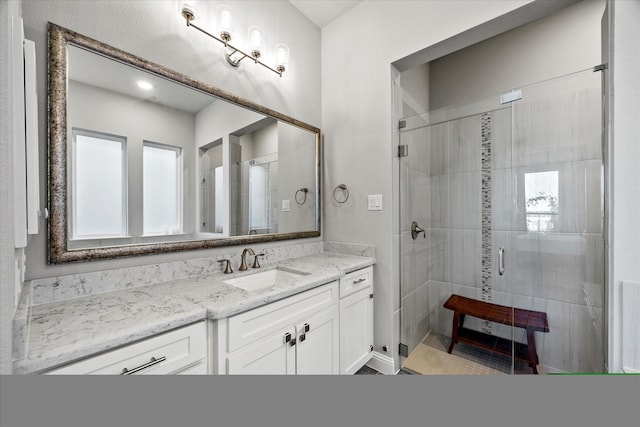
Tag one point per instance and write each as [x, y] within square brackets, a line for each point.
[174, 351]
[252, 325]
[355, 281]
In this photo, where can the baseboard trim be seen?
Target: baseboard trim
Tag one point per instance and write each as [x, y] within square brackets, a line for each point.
[382, 363]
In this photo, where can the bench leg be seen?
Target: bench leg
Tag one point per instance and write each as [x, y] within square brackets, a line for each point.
[531, 346]
[454, 331]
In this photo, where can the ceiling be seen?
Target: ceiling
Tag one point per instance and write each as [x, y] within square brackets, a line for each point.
[99, 71]
[322, 12]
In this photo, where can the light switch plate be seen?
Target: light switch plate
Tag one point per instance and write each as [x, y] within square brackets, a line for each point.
[286, 206]
[375, 202]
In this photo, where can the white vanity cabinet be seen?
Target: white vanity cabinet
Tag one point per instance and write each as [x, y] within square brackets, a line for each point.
[325, 330]
[356, 320]
[180, 351]
[295, 335]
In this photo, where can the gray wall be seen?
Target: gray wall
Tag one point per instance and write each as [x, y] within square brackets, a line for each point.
[559, 44]
[415, 90]
[163, 38]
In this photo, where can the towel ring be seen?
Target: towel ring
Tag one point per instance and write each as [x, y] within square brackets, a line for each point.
[304, 191]
[344, 190]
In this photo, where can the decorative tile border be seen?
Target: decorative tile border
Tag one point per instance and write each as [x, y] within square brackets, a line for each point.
[486, 213]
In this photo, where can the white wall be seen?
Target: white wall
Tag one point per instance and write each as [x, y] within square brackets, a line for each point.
[624, 200]
[156, 31]
[357, 50]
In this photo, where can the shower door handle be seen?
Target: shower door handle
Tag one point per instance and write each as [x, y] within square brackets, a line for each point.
[501, 261]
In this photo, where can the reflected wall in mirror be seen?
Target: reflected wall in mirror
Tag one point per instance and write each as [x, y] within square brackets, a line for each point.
[146, 160]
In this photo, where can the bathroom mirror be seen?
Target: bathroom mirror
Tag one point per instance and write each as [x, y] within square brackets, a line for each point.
[145, 160]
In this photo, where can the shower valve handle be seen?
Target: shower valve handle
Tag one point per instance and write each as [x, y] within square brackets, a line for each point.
[416, 229]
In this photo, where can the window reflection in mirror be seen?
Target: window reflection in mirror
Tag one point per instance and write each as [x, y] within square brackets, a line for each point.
[161, 189]
[98, 166]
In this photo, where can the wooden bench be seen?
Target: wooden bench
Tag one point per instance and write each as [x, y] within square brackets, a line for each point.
[529, 320]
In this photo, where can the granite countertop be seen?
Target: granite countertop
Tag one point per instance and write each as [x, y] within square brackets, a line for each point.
[60, 332]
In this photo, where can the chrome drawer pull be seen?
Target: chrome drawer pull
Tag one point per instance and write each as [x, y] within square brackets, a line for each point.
[150, 363]
[355, 282]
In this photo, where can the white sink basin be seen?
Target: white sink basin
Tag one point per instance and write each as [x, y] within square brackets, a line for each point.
[264, 279]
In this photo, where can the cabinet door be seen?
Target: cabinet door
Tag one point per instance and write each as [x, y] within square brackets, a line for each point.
[317, 350]
[253, 325]
[356, 331]
[271, 355]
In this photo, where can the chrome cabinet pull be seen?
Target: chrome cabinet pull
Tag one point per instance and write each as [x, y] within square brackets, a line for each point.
[303, 335]
[501, 261]
[355, 282]
[289, 339]
[150, 363]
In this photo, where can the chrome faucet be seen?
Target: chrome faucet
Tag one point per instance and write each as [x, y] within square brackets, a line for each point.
[243, 263]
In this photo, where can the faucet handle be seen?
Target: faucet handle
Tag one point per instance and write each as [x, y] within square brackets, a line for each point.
[227, 266]
[256, 264]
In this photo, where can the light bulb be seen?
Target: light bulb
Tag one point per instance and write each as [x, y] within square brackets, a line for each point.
[256, 39]
[188, 11]
[282, 57]
[225, 21]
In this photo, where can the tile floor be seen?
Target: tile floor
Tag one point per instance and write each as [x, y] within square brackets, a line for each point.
[431, 358]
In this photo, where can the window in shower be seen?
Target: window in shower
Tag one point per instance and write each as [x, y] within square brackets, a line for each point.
[162, 189]
[541, 195]
[98, 185]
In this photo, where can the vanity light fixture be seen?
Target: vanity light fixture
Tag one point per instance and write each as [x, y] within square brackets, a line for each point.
[233, 54]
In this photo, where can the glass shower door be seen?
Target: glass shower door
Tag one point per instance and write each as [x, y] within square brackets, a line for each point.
[455, 208]
[557, 244]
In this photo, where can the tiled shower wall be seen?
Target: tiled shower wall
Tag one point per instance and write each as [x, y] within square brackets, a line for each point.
[555, 127]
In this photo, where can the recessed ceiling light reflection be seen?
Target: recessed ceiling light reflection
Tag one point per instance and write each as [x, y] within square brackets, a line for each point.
[145, 85]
